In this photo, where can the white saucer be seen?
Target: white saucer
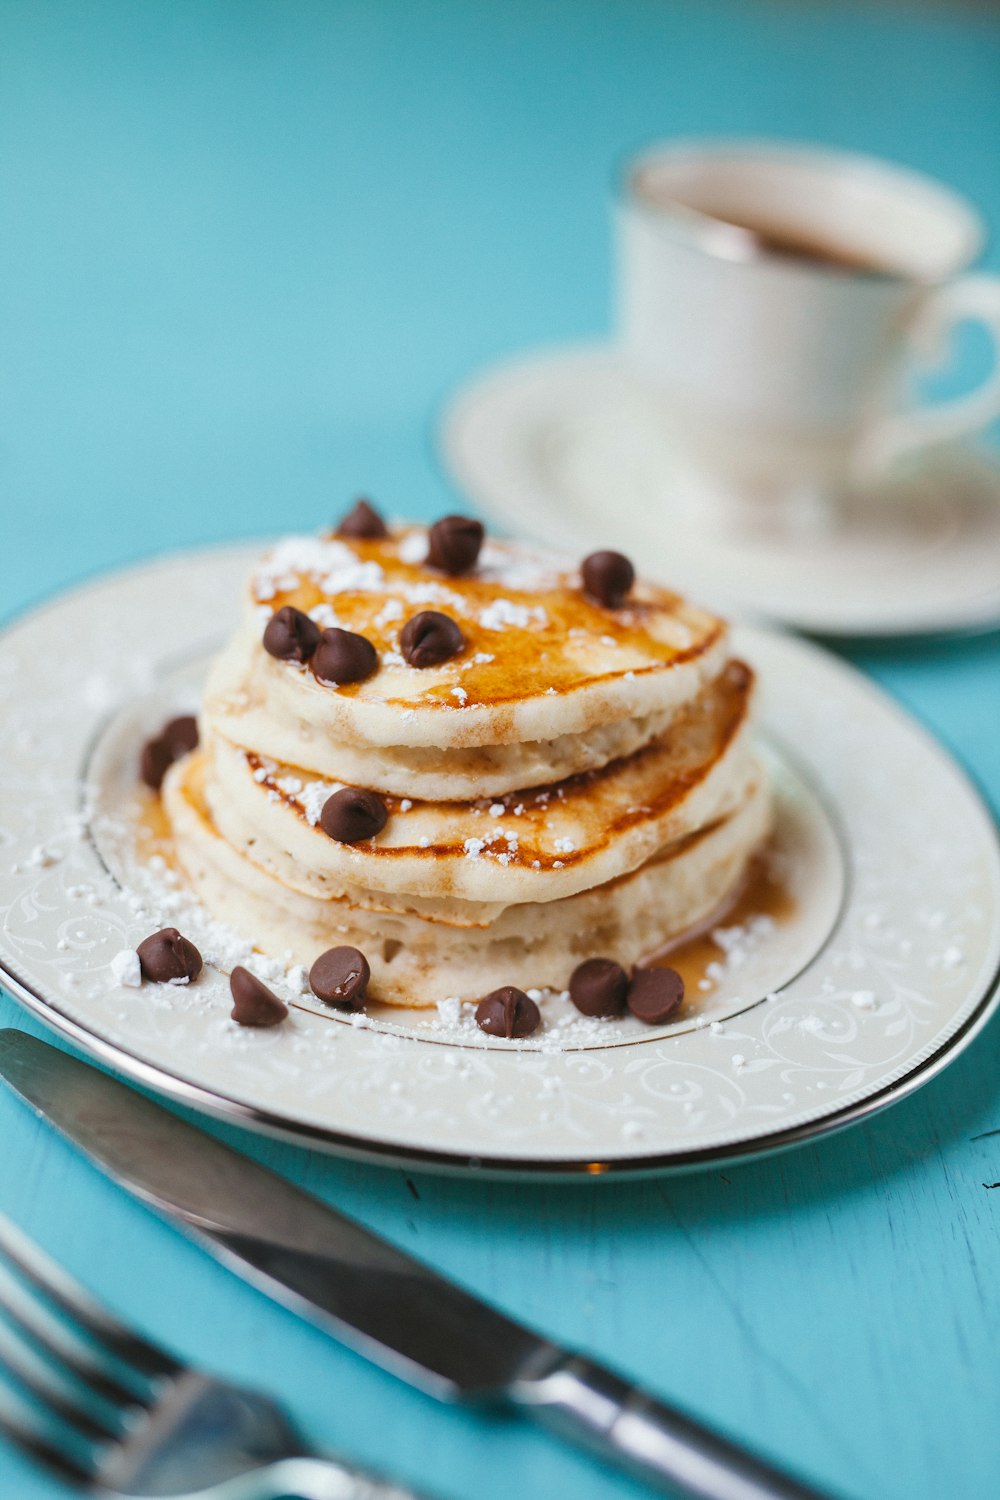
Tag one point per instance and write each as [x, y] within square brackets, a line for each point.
[886, 968]
[566, 447]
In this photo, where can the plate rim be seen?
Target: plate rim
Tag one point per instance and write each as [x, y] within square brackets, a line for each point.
[449, 451]
[570, 1169]
[204, 1100]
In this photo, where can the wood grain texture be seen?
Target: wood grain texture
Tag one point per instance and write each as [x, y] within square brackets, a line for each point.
[246, 248]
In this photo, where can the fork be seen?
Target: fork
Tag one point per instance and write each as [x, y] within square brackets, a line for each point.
[111, 1412]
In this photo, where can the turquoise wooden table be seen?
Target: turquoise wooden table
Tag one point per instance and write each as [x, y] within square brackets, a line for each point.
[245, 251]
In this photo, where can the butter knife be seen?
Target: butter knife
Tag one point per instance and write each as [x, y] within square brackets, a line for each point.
[375, 1298]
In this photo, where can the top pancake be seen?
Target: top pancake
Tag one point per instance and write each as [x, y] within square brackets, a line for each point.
[543, 664]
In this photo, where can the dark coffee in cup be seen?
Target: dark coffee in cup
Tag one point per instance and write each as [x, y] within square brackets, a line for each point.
[791, 243]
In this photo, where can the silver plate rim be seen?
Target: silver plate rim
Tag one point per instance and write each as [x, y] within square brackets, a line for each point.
[357, 1148]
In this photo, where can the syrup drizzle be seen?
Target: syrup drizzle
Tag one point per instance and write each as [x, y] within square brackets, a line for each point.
[763, 892]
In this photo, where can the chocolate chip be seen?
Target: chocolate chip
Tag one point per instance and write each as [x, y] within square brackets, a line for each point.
[655, 994]
[340, 977]
[598, 987]
[167, 956]
[430, 638]
[454, 543]
[508, 1012]
[290, 635]
[175, 739]
[154, 762]
[353, 814]
[607, 577]
[343, 657]
[181, 734]
[254, 1004]
[363, 521]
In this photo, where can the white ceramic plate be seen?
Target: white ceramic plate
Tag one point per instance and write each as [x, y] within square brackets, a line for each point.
[566, 447]
[886, 968]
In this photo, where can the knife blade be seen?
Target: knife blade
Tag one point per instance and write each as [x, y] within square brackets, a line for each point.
[389, 1306]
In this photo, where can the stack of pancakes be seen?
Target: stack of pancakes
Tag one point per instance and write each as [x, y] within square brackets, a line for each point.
[577, 781]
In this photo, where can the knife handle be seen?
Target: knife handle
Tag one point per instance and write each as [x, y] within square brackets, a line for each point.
[588, 1404]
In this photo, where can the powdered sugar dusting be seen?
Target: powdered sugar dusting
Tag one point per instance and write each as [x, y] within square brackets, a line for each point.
[126, 969]
[330, 564]
[313, 797]
[413, 546]
[501, 614]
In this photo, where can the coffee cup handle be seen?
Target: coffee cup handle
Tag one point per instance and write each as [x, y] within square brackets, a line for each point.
[970, 299]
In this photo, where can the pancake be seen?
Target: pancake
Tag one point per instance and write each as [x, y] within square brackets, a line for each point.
[418, 962]
[576, 780]
[537, 844]
[549, 683]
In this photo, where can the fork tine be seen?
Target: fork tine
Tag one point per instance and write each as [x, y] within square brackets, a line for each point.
[60, 1288]
[64, 1345]
[20, 1425]
[51, 1388]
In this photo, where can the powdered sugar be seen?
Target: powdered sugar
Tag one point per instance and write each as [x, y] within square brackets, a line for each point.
[501, 614]
[412, 546]
[126, 969]
[391, 611]
[513, 567]
[313, 797]
[330, 564]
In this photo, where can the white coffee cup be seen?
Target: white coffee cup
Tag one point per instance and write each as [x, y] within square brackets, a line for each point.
[779, 376]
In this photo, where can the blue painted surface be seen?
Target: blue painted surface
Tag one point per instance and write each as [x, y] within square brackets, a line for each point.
[245, 251]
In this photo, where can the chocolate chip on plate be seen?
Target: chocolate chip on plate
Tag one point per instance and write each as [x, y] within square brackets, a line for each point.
[167, 957]
[508, 1012]
[353, 814]
[453, 544]
[181, 734]
[290, 635]
[155, 761]
[607, 577]
[598, 987]
[342, 657]
[430, 638]
[253, 1003]
[655, 994]
[175, 739]
[340, 977]
[363, 521]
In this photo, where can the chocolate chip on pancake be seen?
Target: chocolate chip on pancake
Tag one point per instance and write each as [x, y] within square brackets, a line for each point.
[175, 739]
[290, 635]
[598, 987]
[454, 543]
[253, 1003]
[655, 994]
[607, 577]
[430, 638]
[342, 657]
[508, 1012]
[364, 522]
[352, 815]
[340, 977]
[167, 957]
